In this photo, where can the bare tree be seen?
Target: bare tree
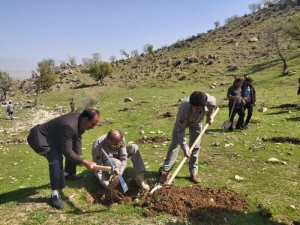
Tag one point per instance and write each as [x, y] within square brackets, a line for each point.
[134, 53]
[148, 48]
[231, 19]
[252, 7]
[96, 57]
[72, 61]
[273, 41]
[112, 58]
[217, 24]
[123, 52]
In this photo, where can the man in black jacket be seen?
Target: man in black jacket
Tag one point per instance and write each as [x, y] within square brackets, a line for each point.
[249, 96]
[58, 137]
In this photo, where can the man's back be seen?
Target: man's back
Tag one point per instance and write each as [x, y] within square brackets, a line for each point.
[10, 107]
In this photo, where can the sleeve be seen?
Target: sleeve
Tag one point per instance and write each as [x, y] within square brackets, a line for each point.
[180, 126]
[123, 157]
[66, 135]
[77, 147]
[229, 94]
[97, 157]
[211, 104]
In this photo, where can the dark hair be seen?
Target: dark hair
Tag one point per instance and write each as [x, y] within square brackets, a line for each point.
[9, 102]
[237, 80]
[111, 135]
[198, 98]
[89, 113]
[248, 79]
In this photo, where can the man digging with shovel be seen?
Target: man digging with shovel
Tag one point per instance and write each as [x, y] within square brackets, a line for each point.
[190, 115]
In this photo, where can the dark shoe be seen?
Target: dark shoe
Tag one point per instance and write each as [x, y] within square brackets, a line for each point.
[246, 126]
[73, 177]
[164, 177]
[239, 128]
[57, 202]
[296, 223]
[230, 129]
[195, 179]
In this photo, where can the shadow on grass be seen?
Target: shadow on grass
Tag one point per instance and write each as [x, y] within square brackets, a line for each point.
[295, 119]
[85, 86]
[23, 195]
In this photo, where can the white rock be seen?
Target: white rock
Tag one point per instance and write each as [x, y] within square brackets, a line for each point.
[130, 142]
[152, 132]
[237, 177]
[228, 145]
[155, 146]
[15, 164]
[292, 206]
[263, 109]
[128, 99]
[273, 160]
[142, 132]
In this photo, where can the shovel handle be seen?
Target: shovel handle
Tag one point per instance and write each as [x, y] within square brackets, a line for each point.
[102, 168]
[192, 147]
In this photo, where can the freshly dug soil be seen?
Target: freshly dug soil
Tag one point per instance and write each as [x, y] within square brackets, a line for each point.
[194, 202]
[153, 140]
[167, 115]
[125, 109]
[289, 140]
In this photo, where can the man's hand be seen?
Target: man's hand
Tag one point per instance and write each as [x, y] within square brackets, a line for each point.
[187, 153]
[209, 121]
[116, 194]
[115, 182]
[88, 165]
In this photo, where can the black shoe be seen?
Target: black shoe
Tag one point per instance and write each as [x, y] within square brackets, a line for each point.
[57, 202]
[73, 177]
[246, 126]
[230, 129]
[296, 223]
[239, 128]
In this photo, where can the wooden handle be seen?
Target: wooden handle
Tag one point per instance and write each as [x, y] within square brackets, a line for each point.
[103, 168]
[191, 149]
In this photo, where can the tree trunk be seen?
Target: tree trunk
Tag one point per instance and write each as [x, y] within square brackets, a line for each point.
[284, 71]
[4, 95]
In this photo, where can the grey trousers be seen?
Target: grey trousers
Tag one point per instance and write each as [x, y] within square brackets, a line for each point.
[136, 159]
[173, 150]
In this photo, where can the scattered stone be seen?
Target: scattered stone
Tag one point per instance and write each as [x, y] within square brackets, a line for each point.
[253, 40]
[237, 177]
[273, 160]
[127, 99]
[263, 109]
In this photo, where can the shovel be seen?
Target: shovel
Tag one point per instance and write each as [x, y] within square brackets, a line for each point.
[115, 169]
[185, 158]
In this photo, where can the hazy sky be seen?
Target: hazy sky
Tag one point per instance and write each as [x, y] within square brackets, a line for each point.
[31, 30]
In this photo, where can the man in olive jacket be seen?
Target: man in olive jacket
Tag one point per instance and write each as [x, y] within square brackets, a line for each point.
[58, 137]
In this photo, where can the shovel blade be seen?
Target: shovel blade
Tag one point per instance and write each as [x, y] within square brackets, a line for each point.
[156, 188]
[123, 183]
[227, 124]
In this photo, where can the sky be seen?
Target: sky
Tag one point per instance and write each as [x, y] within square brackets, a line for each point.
[33, 30]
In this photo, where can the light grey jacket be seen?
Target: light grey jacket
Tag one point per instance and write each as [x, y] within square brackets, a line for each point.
[100, 159]
[185, 118]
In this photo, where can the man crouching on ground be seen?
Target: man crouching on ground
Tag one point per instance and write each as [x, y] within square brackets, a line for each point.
[191, 112]
[113, 144]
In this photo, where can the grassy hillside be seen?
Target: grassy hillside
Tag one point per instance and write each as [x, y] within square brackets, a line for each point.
[272, 189]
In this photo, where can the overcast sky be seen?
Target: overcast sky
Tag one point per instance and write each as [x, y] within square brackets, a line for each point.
[31, 30]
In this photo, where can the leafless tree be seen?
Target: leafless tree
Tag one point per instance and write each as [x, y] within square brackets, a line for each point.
[217, 24]
[273, 41]
[96, 57]
[112, 58]
[72, 61]
[134, 53]
[87, 61]
[123, 52]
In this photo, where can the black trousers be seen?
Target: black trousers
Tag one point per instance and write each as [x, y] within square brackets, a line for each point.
[237, 110]
[70, 167]
[249, 107]
[56, 171]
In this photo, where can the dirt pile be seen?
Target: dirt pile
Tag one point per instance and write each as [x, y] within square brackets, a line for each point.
[195, 202]
[152, 140]
[288, 140]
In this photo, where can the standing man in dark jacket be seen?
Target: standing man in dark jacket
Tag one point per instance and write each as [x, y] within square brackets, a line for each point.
[234, 94]
[10, 110]
[249, 96]
[58, 137]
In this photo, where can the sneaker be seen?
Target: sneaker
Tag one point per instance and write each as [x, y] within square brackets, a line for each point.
[57, 202]
[239, 128]
[230, 129]
[139, 180]
[246, 126]
[195, 179]
[164, 177]
[73, 177]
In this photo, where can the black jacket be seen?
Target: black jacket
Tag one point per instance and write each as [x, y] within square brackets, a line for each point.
[61, 134]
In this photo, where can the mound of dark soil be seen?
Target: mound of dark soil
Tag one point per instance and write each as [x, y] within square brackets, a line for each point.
[125, 109]
[289, 140]
[194, 202]
[254, 121]
[167, 115]
[141, 103]
[152, 139]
